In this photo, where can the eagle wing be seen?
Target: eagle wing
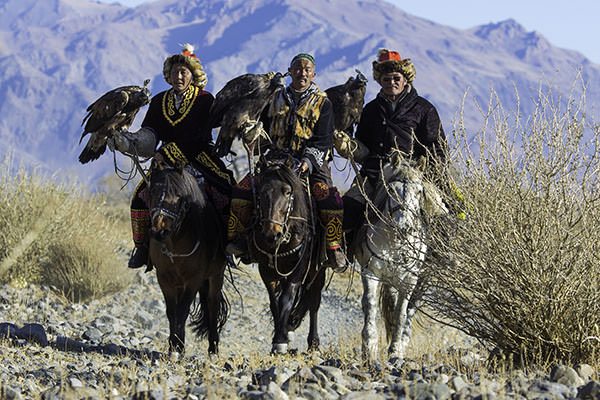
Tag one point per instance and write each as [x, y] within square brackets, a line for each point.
[111, 112]
[238, 89]
[347, 102]
[102, 112]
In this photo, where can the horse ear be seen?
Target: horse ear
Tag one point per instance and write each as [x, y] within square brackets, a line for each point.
[179, 165]
[289, 161]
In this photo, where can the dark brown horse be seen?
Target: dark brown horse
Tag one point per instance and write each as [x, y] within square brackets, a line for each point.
[284, 242]
[186, 247]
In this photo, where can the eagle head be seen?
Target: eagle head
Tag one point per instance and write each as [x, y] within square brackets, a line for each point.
[278, 79]
[143, 95]
[360, 77]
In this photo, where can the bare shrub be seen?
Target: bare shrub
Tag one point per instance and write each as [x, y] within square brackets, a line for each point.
[521, 272]
[56, 234]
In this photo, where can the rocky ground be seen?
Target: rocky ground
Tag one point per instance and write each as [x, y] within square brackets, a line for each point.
[115, 347]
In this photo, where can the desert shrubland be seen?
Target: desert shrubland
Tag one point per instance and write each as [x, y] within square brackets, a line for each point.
[521, 272]
[58, 234]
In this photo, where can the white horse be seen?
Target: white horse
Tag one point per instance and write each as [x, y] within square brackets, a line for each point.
[391, 249]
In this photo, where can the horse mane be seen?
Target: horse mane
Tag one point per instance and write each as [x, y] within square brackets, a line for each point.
[182, 183]
[201, 212]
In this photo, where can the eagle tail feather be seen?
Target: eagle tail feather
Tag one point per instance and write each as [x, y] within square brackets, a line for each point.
[88, 154]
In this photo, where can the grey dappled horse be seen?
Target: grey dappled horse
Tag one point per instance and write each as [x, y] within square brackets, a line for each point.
[391, 249]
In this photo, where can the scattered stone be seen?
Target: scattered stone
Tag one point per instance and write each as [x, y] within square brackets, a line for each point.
[584, 371]
[565, 375]
[93, 335]
[33, 333]
[591, 391]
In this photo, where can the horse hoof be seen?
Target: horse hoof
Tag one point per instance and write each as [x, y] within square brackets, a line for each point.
[175, 356]
[279, 348]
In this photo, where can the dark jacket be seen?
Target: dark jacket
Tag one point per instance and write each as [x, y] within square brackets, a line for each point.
[187, 126]
[382, 128]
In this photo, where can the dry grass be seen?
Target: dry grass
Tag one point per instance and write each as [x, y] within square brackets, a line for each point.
[56, 234]
[521, 271]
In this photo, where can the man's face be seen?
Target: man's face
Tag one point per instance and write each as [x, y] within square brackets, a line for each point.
[302, 72]
[392, 83]
[180, 77]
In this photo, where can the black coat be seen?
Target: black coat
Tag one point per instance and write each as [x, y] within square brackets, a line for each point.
[382, 128]
[190, 130]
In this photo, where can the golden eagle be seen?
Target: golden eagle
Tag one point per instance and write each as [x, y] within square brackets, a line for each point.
[114, 111]
[241, 101]
[347, 101]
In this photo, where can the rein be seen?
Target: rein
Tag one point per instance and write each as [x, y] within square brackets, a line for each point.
[165, 251]
[177, 217]
[284, 224]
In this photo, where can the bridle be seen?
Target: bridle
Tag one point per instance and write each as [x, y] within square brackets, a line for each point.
[177, 216]
[160, 210]
[272, 256]
[401, 206]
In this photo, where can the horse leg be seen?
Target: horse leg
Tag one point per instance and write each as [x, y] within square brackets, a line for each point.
[285, 304]
[370, 337]
[170, 295]
[403, 314]
[181, 312]
[213, 310]
[411, 310]
[314, 297]
[390, 311]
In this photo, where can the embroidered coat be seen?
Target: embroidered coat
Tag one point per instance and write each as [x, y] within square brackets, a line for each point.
[304, 126]
[186, 126]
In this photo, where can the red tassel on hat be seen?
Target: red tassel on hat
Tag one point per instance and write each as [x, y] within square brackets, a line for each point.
[188, 50]
[389, 55]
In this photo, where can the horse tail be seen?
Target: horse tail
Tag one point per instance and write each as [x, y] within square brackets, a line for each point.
[387, 304]
[299, 309]
[199, 320]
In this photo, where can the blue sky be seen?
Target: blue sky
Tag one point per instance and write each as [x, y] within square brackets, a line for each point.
[573, 24]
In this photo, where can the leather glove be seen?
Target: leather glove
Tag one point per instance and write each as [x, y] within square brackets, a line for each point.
[344, 144]
[252, 130]
[119, 141]
[141, 143]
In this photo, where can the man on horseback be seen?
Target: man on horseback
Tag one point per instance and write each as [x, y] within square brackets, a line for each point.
[397, 119]
[177, 117]
[299, 120]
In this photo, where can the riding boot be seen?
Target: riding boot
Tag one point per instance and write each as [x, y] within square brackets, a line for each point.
[139, 258]
[336, 259]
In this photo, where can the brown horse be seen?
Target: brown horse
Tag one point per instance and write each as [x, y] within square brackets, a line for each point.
[186, 247]
[284, 242]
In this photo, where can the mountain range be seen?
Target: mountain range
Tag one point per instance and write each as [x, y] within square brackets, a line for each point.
[57, 56]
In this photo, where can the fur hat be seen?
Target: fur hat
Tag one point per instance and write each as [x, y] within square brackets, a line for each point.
[191, 61]
[390, 61]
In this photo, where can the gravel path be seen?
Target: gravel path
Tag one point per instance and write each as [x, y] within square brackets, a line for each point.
[115, 347]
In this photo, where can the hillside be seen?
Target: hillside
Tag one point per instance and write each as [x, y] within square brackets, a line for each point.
[58, 56]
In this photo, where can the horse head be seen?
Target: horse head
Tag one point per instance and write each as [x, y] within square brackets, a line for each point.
[396, 227]
[279, 198]
[170, 197]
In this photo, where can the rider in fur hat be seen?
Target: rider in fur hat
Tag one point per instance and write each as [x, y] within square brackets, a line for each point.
[299, 119]
[178, 118]
[397, 119]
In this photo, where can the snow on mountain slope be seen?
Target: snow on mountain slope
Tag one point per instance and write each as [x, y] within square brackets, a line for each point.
[57, 56]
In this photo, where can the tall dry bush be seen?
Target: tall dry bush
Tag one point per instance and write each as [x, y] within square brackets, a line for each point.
[522, 271]
[55, 234]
